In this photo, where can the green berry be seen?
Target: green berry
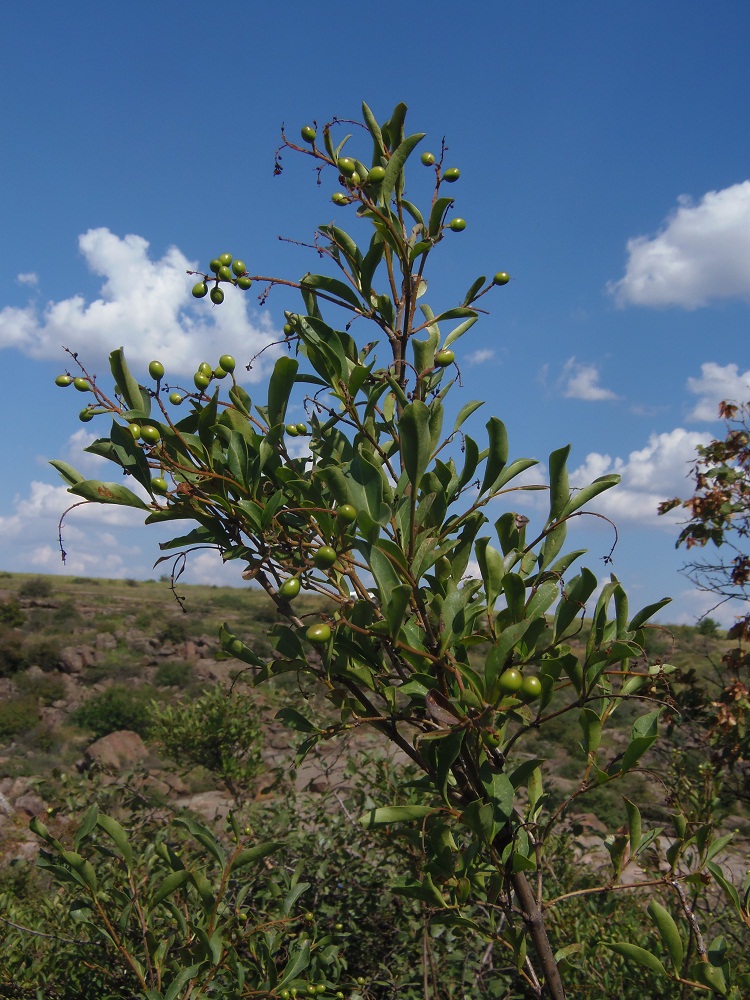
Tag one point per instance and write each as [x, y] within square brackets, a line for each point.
[224, 272]
[175, 398]
[227, 362]
[214, 265]
[244, 283]
[346, 166]
[302, 428]
[201, 381]
[238, 266]
[501, 278]
[135, 430]
[82, 384]
[85, 415]
[444, 358]
[219, 372]
[318, 634]
[217, 296]
[510, 680]
[150, 434]
[288, 328]
[63, 380]
[458, 225]
[289, 588]
[531, 688]
[325, 557]
[205, 368]
[225, 258]
[339, 198]
[291, 430]
[159, 485]
[376, 175]
[451, 174]
[156, 370]
[346, 513]
[308, 133]
[200, 290]
[428, 159]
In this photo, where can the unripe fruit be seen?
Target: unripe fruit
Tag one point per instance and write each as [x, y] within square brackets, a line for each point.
[325, 557]
[244, 283]
[63, 380]
[444, 358]
[287, 329]
[510, 680]
[318, 634]
[225, 273]
[205, 368]
[82, 384]
[135, 430]
[150, 434]
[219, 372]
[308, 133]
[214, 265]
[227, 362]
[458, 225]
[451, 174]
[225, 258]
[217, 296]
[355, 178]
[428, 159]
[501, 278]
[376, 175]
[156, 370]
[291, 430]
[159, 485]
[302, 428]
[238, 266]
[347, 513]
[175, 398]
[85, 415]
[201, 381]
[200, 290]
[289, 588]
[339, 198]
[531, 688]
[346, 166]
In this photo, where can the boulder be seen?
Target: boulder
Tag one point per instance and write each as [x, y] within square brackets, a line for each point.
[117, 751]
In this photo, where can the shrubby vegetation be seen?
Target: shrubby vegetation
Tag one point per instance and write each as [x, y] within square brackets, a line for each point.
[463, 677]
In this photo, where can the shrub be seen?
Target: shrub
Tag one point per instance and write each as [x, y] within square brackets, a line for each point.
[176, 630]
[45, 689]
[116, 708]
[11, 652]
[37, 586]
[11, 614]
[42, 651]
[174, 673]
[18, 715]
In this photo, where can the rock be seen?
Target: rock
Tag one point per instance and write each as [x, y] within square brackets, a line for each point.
[105, 641]
[211, 806]
[75, 659]
[117, 750]
[6, 809]
[30, 804]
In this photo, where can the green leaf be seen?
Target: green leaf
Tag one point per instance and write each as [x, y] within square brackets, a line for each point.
[334, 287]
[466, 411]
[129, 388]
[171, 884]
[384, 815]
[113, 829]
[279, 389]
[559, 486]
[591, 727]
[459, 331]
[472, 292]
[710, 976]
[253, 854]
[414, 430]
[437, 215]
[295, 720]
[67, 472]
[394, 605]
[670, 935]
[644, 735]
[180, 980]
[497, 455]
[637, 954]
[377, 135]
[396, 165]
[635, 829]
[99, 492]
[297, 962]
[582, 496]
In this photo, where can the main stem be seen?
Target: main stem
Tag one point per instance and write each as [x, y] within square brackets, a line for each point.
[533, 918]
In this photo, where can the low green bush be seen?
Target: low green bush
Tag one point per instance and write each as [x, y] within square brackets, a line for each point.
[116, 708]
[11, 615]
[18, 715]
[37, 586]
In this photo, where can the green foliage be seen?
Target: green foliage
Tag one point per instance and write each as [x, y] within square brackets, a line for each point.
[218, 731]
[38, 586]
[173, 673]
[406, 643]
[11, 615]
[17, 715]
[11, 651]
[113, 709]
[42, 651]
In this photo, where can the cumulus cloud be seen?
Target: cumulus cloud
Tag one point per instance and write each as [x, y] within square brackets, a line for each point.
[716, 383]
[27, 278]
[702, 254]
[648, 476]
[481, 356]
[145, 306]
[579, 381]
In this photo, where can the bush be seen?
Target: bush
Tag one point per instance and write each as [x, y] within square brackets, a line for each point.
[10, 613]
[11, 652]
[37, 586]
[18, 715]
[45, 689]
[42, 651]
[174, 673]
[114, 709]
[176, 630]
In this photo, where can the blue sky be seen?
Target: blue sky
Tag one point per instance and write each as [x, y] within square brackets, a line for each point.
[604, 151]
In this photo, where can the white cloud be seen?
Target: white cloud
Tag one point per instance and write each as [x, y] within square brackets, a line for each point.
[27, 278]
[579, 381]
[480, 356]
[716, 383]
[650, 475]
[701, 254]
[145, 306]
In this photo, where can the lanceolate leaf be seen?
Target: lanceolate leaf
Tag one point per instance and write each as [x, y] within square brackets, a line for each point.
[395, 814]
[396, 165]
[279, 389]
[497, 454]
[670, 935]
[67, 472]
[637, 954]
[333, 287]
[414, 428]
[93, 489]
[583, 496]
[558, 483]
[129, 388]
